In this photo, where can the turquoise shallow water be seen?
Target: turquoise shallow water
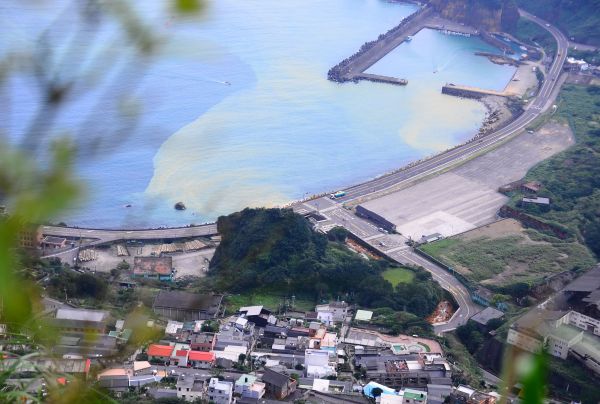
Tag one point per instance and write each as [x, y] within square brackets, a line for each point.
[279, 129]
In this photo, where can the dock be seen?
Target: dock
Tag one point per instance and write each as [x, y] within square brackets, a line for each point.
[471, 92]
[381, 79]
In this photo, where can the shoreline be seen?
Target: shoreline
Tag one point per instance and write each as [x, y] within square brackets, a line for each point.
[497, 116]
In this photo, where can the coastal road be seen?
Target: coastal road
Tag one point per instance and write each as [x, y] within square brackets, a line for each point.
[440, 162]
[103, 236]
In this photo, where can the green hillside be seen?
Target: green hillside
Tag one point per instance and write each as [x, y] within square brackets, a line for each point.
[276, 251]
[579, 19]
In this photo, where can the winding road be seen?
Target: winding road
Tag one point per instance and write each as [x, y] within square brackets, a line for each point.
[336, 215]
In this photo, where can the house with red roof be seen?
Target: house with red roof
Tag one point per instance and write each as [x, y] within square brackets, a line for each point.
[181, 357]
[199, 359]
[160, 352]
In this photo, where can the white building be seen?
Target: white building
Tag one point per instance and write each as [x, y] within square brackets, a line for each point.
[189, 388]
[574, 330]
[584, 322]
[317, 363]
[325, 317]
[338, 310]
[563, 333]
[220, 392]
[248, 386]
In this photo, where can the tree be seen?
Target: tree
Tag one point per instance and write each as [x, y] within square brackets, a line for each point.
[123, 266]
[338, 234]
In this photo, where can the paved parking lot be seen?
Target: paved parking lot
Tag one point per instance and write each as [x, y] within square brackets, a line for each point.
[466, 197]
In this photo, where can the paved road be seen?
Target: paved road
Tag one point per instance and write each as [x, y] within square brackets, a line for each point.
[394, 246]
[103, 236]
[467, 308]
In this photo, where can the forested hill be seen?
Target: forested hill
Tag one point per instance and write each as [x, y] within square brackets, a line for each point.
[489, 15]
[275, 250]
[579, 19]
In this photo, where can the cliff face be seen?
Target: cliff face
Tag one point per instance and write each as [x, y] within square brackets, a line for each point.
[488, 15]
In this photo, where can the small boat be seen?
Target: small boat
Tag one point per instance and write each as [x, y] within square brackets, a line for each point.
[409, 38]
[128, 205]
[227, 83]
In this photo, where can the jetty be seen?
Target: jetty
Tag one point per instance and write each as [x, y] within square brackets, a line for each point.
[499, 59]
[471, 92]
[381, 79]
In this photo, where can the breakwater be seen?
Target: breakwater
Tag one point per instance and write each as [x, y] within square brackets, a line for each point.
[469, 92]
[381, 79]
[499, 59]
[370, 52]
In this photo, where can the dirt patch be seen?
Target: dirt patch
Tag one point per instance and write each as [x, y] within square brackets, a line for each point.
[442, 313]
[524, 80]
[581, 79]
[188, 263]
[515, 269]
[360, 249]
[501, 228]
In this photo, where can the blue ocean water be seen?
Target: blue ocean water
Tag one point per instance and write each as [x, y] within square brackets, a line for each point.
[234, 109]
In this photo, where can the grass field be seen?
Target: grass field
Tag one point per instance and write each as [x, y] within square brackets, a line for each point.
[508, 257]
[398, 275]
[271, 301]
[570, 179]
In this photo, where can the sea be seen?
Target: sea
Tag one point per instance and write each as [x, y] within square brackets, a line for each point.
[229, 108]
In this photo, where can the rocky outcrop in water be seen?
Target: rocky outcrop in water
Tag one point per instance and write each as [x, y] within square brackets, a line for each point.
[487, 15]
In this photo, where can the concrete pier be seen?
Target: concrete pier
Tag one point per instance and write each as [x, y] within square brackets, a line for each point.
[381, 79]
[470, 92]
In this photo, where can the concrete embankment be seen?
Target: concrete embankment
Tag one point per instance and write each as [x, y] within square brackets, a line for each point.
[381, 79]
[470, 92]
